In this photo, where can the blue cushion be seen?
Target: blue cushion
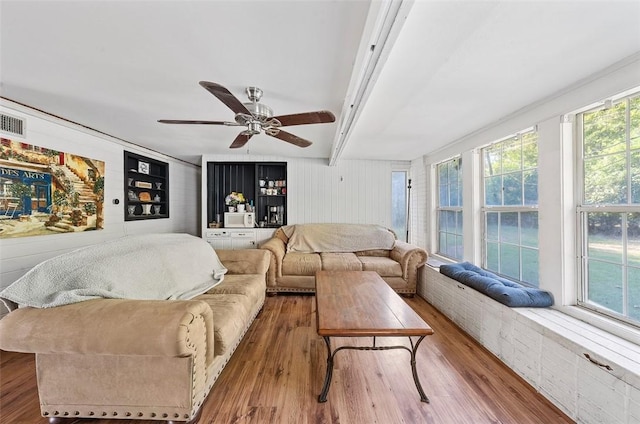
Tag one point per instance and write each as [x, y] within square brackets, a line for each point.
[500, 289]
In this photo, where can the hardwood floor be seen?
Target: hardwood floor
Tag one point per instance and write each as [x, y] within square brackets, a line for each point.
[277, 372]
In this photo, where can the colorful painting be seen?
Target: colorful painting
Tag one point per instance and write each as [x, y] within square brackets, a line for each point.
[44, 191]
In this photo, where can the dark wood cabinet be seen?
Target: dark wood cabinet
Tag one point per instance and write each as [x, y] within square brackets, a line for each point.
[263, 184]
[271, 192]
[146, 192]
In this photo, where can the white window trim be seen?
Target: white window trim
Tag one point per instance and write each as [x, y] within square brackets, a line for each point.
[625, 328]
[439, 208]
[483, 208]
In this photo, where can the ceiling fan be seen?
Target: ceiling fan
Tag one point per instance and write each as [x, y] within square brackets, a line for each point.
[258, 117]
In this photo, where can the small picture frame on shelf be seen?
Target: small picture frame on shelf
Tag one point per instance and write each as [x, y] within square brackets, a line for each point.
[143, 167]
[143, 184]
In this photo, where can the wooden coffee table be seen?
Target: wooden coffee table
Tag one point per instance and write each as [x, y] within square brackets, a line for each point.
[361, 304]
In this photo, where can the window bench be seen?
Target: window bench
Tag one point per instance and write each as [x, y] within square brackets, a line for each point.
[591, 375]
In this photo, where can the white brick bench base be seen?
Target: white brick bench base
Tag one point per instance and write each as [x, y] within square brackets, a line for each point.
[547, 348]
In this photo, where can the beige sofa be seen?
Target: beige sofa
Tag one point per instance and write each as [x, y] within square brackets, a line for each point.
[140, 359]
[299, 251]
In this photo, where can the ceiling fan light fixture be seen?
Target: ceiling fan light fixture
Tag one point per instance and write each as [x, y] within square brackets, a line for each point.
[253, 128]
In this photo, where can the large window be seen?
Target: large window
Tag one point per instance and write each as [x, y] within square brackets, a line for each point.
[449, 213]
[510, 237]
[610, 208]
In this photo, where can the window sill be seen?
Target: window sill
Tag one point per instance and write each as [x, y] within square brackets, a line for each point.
[620, 353]
[602, 323]
[434, 261]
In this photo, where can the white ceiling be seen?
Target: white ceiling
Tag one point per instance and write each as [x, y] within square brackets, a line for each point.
[449, 69]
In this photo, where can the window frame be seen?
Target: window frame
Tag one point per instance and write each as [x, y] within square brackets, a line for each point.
[455, 209]
[583, 209]
[502, 208]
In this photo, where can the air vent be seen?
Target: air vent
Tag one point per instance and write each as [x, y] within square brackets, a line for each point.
[12, 125]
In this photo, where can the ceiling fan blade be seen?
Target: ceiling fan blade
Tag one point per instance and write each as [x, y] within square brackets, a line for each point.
[180, 121]
[290, 138]
[318, 117]
[240, 140]
[225, 97]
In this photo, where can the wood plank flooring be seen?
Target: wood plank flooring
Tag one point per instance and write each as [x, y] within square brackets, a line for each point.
[277, 372]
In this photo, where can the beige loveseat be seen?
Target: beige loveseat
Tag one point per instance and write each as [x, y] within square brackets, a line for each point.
[299, 251]
[142, 359]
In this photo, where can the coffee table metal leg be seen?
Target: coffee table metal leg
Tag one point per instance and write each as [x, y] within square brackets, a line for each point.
[327, 378]
[414, 349]
[329, 374]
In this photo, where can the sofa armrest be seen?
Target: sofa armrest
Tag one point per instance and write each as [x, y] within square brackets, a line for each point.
[112, 327]
[278, 248]
[244, 261]
[410, 258]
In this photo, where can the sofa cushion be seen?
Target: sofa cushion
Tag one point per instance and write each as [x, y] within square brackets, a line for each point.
[245, 284]
[231, 314]
[340, 262]
[244, 261]
[296, 263]
[500, 289]
[385, 267]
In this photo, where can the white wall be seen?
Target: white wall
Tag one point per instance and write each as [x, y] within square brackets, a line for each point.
[18, 255]
[420, 194]
[353, 191]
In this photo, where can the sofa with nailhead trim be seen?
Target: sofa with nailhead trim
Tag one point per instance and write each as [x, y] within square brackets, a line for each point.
[139, 359]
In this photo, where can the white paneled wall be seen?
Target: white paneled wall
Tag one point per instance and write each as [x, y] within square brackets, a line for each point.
[419, 193]
[18, 255]
[353, 191]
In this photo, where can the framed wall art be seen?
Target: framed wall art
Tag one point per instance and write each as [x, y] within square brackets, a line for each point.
[45, 191]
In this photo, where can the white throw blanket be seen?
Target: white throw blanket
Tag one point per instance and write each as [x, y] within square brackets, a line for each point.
[155, 266]
[337, 237]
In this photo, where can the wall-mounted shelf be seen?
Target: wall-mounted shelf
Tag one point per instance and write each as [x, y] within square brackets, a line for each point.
[263, 183]
[146, 191]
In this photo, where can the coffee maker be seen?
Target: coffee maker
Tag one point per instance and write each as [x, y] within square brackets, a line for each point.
[275, 215]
